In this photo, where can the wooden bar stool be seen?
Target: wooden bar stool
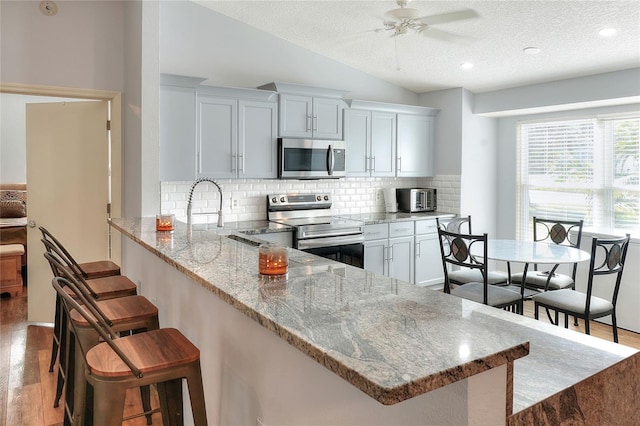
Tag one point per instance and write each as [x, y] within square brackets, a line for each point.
[163, 357]
[101, 287]
[88, 270]
[124, 314]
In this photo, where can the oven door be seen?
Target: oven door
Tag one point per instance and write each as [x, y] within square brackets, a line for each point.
[347, 249]
[311, 159]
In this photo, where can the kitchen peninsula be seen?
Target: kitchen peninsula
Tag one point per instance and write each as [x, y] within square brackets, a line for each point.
[334, 344]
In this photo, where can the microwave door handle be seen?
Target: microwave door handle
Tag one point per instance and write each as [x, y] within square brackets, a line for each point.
[330, 160]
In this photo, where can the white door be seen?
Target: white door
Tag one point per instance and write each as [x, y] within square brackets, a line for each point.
[68, 184]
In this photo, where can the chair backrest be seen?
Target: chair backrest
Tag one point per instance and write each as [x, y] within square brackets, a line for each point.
[608, 257]
[456, 249]
[103, 329]
[63, 266]
[59, 270]
[49, 237]
[456, 224]
[556, 231]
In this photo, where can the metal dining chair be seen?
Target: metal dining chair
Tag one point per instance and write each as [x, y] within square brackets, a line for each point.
[552, 231]
[463, 276]
[456, 250]
[607, 258]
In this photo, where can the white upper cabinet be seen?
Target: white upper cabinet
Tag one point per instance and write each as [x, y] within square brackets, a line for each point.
[370, 137]
[177, 127]
[236, 134]
[415, 150]
[310, 117]
[308, 112]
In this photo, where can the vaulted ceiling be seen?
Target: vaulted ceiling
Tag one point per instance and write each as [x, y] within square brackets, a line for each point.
[490, 35]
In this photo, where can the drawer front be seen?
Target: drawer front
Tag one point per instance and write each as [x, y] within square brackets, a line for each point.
[428, 226]
[376, 232]
[401, 229]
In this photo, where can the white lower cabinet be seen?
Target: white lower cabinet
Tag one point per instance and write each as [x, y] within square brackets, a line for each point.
[428, 259]
[388, 249]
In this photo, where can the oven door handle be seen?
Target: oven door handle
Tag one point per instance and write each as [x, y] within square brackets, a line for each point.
[329, 242]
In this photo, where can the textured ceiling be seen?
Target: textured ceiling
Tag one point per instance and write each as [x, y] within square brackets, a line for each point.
[566, 32]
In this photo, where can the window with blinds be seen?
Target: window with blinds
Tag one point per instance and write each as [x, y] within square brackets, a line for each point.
[580, 169]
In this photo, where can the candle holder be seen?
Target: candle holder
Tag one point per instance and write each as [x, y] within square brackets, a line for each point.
[164, 222]
[273, 260]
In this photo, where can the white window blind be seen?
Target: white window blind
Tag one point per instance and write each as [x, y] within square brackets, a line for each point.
[580, 169]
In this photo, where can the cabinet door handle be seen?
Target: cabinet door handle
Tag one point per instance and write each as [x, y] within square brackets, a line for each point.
[399, 166]
[373, 167]
[418, 249]
[309, 125]
[390, 253]
[233, 162]
[315, 122]
[241, 163]
[367, 164]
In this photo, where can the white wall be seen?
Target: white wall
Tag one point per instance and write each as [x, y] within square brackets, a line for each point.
[79, 47]
[479, 171]
[198, 42]
[619, 87]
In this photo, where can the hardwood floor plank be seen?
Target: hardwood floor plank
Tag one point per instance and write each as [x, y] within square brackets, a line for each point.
[48, 380]
[24, 405]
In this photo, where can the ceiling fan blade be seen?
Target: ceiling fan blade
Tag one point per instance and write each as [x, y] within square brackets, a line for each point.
[443, 18]
[441, 35]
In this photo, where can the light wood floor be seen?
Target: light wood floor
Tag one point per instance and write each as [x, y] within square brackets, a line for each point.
[27, 388]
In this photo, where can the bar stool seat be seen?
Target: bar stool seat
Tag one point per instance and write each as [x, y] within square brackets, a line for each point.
[99, 269]
[162, 357]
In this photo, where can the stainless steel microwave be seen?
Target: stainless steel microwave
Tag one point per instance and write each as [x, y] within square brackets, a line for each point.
[311, 159]
[416, 199]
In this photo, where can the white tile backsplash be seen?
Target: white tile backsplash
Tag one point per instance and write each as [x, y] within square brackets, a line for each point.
[350, 195]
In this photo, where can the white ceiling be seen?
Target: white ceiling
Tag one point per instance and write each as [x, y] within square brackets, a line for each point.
[566, 32]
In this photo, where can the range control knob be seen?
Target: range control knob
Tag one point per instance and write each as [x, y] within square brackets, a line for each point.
[282, 199]
[318, 197]
[274, 200]
[326, 198]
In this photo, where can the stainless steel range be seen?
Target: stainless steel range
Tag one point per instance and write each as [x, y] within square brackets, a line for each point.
[315, 230]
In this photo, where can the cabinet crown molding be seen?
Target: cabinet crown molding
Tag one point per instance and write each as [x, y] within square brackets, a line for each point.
[237, 93]
[180, 80]
[389, 107]
[298, 89]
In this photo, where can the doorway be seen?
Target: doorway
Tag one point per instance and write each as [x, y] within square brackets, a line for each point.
[41, 296]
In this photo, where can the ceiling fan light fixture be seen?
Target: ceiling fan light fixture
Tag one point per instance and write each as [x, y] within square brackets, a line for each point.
[466, 65]
[531, 50]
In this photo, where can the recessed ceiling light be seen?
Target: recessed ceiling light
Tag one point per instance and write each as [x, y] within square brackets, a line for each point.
[608, 32]
[466, 65]
[531, 50]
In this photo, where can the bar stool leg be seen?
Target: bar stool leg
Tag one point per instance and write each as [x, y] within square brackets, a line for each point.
[108, 408]
[196, 395]
[63, 359]
[170, 396]
[56, 334]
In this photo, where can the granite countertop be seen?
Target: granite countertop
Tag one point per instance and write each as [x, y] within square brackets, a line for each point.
[391, 339]
[382, 217]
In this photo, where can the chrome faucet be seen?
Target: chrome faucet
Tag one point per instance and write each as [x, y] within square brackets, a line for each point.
[204, 179]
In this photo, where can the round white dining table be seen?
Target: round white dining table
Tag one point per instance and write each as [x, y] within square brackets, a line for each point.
[527, 252]
[531, 252]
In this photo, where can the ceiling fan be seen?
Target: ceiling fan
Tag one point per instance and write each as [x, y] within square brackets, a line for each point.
[404, 19]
